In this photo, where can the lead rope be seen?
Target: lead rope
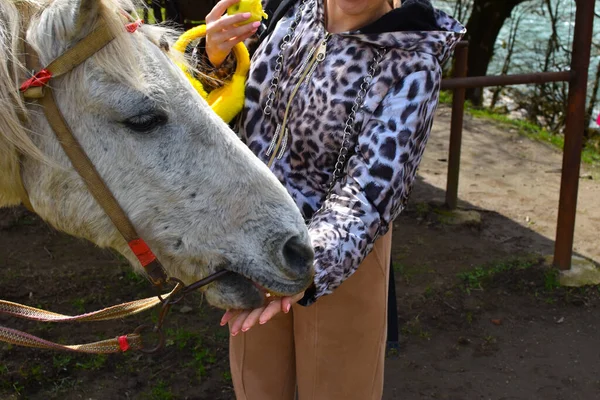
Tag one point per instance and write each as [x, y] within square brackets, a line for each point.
[122, 343]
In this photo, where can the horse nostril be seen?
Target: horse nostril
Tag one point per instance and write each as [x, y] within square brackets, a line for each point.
[298, 255]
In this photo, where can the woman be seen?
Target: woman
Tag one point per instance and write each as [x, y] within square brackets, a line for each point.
[339, 103]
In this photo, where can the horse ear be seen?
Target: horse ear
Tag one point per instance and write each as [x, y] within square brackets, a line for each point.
[75, 17]
[85, 13]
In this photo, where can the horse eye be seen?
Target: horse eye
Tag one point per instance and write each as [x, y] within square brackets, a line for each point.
[145, 123]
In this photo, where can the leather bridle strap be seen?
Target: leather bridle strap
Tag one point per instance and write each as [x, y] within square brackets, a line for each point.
[36, 88]
[70, 59]
[99, 190]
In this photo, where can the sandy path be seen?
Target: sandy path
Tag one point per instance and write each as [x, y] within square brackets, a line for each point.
[514, 176]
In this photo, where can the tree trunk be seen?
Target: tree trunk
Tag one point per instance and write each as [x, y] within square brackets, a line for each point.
[510, 48]
[483, 27]
[590, 110]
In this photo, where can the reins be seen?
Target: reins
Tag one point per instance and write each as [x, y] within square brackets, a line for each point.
[36, 89]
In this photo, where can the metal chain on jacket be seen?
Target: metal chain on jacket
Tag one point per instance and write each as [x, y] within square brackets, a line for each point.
[350, 122]
[279, 60]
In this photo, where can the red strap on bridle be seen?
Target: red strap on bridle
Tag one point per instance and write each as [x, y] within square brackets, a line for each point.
[42, 77]
[123, 343]
[39, 79]
[142, 251]
[132, 27]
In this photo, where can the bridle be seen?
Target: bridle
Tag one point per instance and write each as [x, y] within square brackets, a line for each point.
[36, 88]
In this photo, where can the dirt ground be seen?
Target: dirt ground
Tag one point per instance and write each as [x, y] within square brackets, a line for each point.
[481, 317]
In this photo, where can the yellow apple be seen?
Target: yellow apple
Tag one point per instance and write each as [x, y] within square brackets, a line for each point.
[254, 7]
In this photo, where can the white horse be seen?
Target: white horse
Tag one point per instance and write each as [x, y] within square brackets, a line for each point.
[195, 193]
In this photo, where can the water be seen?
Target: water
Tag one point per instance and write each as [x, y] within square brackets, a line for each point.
[533, 34]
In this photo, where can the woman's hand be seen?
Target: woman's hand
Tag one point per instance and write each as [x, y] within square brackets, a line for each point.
[245, 319]
[223, 31]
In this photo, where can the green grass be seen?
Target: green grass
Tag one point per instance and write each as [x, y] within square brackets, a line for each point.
[79, 304]
[227, 377]
[161, 391]
[93, 363]
[532, 131]
[414, 328]
[478, 277]
[444, 216]
[202, 355]
[62, 386]
[181, 338]
[61, 361]
[422, 209]
[551, 279]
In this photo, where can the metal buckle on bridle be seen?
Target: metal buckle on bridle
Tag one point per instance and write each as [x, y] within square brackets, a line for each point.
[176, 295]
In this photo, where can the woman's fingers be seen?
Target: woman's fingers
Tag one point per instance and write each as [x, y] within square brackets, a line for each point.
[234, 32]
[236, 325]
[228, 316]
[287, 302]
[225, 40]
[252, 319]
[243, 37]
[223, 32]
[270, 311]
[227, 22]
[219, 9]
[246, 319]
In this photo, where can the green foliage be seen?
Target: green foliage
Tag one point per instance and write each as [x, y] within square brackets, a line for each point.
[62, 386]
[227, 377]
[398, 267]
[422, 209]
[181, 338]
[203, 356]
[551, 279]
[478, 277]
[92, 363]
[79, 304]
[414, 328]
[35, 372]
[61, 361]
[161, 391]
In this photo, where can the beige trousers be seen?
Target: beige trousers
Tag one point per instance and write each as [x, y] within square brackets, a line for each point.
[333, 349]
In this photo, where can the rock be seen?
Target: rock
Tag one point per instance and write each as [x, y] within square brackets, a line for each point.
[583, 272]
[185, 309]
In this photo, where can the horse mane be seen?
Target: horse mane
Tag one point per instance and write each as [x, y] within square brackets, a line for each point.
[120, 60]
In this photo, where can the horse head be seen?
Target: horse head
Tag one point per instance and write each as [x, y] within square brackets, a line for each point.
[196, 194]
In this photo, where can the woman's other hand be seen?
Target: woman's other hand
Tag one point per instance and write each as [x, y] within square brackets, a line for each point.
[223, 31]
[245, 319]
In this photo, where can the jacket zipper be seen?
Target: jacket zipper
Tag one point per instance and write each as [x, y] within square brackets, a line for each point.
[279, 142]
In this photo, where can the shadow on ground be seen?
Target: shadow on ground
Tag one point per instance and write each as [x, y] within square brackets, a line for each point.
[481, 317]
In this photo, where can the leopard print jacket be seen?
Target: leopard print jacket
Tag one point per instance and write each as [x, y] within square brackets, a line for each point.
[315, 98]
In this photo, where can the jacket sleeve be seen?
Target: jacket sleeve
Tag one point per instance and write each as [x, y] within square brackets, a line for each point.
[377, 183]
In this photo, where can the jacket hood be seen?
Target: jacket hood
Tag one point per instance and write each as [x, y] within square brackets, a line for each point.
[414, 26]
